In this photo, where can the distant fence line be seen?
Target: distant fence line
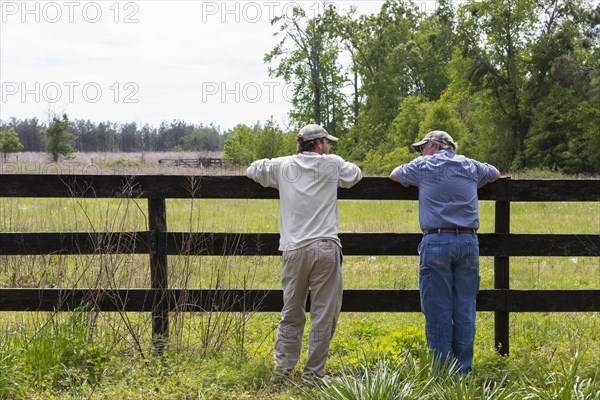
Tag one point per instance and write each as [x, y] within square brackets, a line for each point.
[204, 162]
[159, 299]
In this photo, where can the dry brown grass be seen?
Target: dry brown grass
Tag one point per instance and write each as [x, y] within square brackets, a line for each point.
[112, 163]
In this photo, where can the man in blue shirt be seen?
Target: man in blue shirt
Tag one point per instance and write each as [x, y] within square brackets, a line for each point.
[449, 250]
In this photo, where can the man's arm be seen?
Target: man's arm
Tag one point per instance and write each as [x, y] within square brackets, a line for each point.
[350, 174]
[406, 174]
[488, 173]
[497, 176]
[394, 174]
[264, 172]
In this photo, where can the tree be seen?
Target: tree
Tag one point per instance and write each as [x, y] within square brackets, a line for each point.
[107, 137]
[148, 137]
[130, 139]
[384, 50]
[239, 147]
[171, 135]
[406, 127]
[85, 131]
[510, 58]
[57, 138]
[268, 141]
[203, 138]
[310, 65]
[29, 131]
[562, 134]
[347, 29]
[442, 117]
[434, 44]
[381, 163]
[9, 143]
[496, 36]
[245, 144]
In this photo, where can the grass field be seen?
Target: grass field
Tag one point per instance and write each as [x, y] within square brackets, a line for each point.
[229, 355]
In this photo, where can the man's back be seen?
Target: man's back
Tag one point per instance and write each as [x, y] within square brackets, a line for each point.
[307, 184]
[448, 186]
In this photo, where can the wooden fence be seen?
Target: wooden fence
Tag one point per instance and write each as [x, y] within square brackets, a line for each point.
[158, 243]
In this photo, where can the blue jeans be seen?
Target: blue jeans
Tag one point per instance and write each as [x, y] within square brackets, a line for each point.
[448, 284]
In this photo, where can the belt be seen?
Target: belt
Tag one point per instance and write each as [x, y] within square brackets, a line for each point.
[449, 230]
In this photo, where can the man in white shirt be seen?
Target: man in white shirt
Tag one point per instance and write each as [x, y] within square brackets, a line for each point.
[312, 258]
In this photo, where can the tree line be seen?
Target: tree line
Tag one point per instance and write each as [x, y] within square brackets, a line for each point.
[61, 137]
[515, 82]
[88, 136]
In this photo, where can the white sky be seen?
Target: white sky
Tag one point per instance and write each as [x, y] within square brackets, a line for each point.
[145, 61]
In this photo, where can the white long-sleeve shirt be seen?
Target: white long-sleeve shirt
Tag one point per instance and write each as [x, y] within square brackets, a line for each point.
[307, 184]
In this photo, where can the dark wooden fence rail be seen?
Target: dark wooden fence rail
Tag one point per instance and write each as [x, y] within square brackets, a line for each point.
[158, 242]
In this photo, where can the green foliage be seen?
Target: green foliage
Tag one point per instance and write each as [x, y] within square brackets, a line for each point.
[239, 147]
[442, 117]
[245, 144]
[487, 69]
[563, 130]
[12, 377]
[591, 143]
[268, 141]
[384, 55]
[9, 142]
[406, 127]
[490, 131]
[496, 37]
[57, 138]
[382, 163]
[436, 40]
[119, 163]
[310, 66]
[62, 353]
[203, 139]
[413, 374]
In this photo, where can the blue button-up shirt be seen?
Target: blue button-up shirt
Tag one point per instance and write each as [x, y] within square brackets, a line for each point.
[448, 186]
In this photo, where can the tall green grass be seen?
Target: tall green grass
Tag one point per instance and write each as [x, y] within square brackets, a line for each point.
[229, 355]
[414, 375]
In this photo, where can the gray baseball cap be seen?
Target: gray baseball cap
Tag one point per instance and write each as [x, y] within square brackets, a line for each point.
[314, 131]
[436, 136]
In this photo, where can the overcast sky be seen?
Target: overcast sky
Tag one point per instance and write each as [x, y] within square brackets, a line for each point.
[145, 61]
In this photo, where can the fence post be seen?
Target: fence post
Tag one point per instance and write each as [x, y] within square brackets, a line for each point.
[502, 274]
[157, 223]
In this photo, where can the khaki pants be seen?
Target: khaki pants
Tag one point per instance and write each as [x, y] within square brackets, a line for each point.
[317, 266]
